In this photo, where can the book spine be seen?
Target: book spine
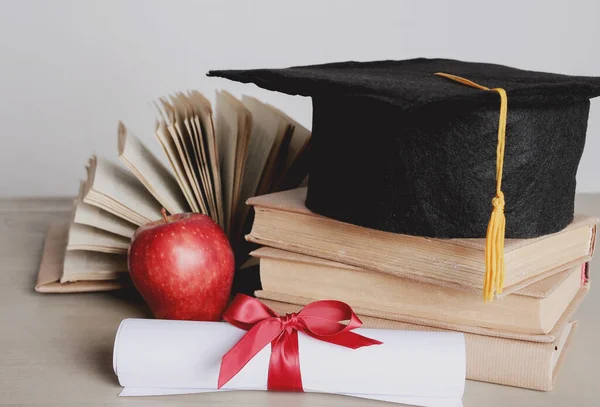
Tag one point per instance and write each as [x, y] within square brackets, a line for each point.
[490, 359]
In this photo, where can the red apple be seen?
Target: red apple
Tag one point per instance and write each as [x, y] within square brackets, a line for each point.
[183, 267]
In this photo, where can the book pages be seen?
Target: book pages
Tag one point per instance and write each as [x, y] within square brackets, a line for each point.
[244, 131]
[199, 160]
[265, 126]
[82, 265]
[276, 157]
[215, 165]
[52, 265]
[86, 214]
[150, 171]
[203, 110]
[298, 144]
[173, 131]
[226, 131]
[84, 237]
[186, 148]
[116, 190]
[170, 149]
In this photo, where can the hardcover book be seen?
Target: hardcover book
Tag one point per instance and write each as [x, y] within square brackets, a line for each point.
[534, 309]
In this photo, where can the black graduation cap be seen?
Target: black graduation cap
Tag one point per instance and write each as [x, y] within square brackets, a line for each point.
[397, 146]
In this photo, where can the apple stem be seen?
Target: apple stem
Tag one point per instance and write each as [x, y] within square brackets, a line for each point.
[164, 214]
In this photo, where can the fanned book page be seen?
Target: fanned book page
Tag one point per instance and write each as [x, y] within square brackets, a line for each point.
[267, 126]
[86, 214]
[116, 190]
[276, 160]
[297, 147]
[183, 147]
[170, 149]
[157, 178]
[82, 265]
[208, 144]
[244, 126]
[84, 237]
[199, 160]
[226, 130]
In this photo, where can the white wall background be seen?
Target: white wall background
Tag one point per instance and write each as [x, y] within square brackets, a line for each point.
[69, 70]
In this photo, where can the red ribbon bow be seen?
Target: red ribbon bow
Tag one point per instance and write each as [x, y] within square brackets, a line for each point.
[320, 319]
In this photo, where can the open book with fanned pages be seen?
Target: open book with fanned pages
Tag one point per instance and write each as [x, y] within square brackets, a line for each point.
[214, 160]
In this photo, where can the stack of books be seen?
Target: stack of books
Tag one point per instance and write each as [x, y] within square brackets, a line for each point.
[417, 283]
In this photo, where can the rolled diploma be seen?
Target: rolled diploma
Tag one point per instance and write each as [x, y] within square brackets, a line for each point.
[157, 357]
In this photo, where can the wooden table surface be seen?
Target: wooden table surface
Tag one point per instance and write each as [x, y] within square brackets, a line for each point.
[56, 350]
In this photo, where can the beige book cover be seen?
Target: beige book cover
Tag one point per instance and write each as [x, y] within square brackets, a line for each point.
[52, 263]
[534, 309]
[500, 360]
[283, 221]
[499, 333]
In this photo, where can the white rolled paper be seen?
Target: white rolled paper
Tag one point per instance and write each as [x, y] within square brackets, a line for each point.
[158, 357]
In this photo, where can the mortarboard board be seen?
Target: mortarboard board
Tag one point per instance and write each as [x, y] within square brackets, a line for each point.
[399, 147]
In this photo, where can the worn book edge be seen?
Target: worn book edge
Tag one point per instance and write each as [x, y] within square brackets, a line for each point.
[51, 266]
[293, 201]
[540, 286]
[542, 338]
[458, 286]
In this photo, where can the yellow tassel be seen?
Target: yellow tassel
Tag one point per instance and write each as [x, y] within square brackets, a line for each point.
[494, 240]
[494, 250]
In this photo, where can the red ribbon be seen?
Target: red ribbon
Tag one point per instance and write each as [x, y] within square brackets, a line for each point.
[320, 319]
